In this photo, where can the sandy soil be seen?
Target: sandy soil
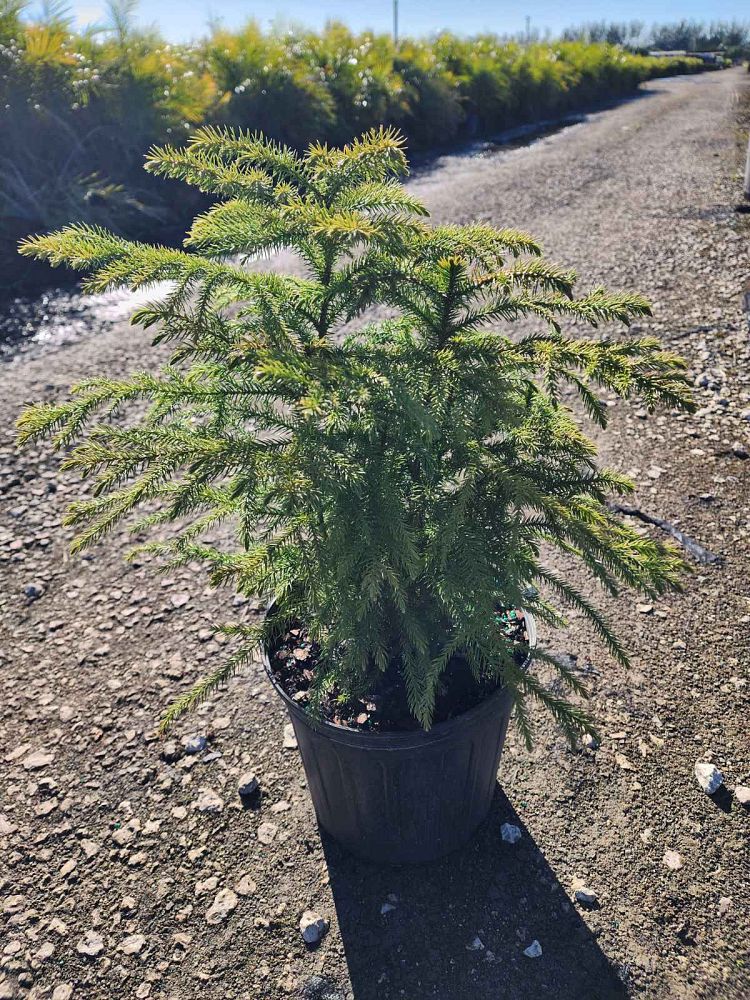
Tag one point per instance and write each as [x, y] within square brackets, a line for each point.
[128, 873]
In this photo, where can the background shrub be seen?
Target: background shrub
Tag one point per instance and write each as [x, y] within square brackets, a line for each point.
[78, 110]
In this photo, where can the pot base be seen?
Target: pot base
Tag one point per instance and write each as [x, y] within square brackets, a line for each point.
[405, 806]
[404, 798]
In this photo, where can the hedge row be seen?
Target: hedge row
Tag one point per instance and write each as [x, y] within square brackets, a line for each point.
[78, 111]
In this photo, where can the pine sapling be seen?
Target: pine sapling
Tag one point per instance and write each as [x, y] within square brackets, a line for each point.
[388, 484]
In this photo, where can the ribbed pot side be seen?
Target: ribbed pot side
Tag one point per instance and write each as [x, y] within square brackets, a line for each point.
[404, 798]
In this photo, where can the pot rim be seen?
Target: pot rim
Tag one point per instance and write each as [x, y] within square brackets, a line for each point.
[398, 740]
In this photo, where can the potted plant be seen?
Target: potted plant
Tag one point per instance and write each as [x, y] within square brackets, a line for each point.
[394, 489]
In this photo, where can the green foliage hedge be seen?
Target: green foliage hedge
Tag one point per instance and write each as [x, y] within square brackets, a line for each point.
[78, 111]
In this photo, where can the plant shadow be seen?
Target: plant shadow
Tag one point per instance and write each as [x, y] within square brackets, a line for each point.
[412, 932]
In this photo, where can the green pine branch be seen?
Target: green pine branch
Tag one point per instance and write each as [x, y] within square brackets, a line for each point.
[389, 485]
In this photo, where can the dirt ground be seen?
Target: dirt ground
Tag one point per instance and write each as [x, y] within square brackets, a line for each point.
[131, 869]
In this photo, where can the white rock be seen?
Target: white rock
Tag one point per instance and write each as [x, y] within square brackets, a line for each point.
[133, 944]
[583, 894]
[225, 902]
[590, 741]
[290, 740]
[312, 927]
[534, 950]
[742, 794]
[208, 885]
[246, 886]
[390, 904]
[91, 944]
[63, 992]
[195, 744]
[208, 801]
[170, 752]
[267, 832]
[511, 834]
[673, 860]
[709, 777]
[123, 835]
[247, 785]
[476, 945]
[6, 827]
[37, 760]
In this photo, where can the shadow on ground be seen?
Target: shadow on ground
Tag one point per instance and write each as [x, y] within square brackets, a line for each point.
[505, 895]
[422, 163]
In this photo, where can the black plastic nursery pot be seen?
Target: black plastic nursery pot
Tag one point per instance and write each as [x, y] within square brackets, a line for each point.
[404, 798]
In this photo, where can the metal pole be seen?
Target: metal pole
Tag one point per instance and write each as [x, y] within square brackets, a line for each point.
[746, 189]
[395, 22]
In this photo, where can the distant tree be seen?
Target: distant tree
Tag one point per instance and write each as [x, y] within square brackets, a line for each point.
[121, 20]
[54, 14]
[694, 36]
[615, 33]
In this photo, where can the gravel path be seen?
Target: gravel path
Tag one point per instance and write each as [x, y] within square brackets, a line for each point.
[130, 869]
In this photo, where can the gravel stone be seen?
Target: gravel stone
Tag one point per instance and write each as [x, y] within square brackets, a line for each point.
[246, 886]
[248, 785]
[313, 927]
[510, 834]
[673, 860]
[37, 761]
[267, 832]
[195, 744]
[171, 752]
[123, 835]
[91, 944]
[133, 944]
[207, 885]
[583, 894]
[709, 777]
[208, 801]
[90, 848]
[225, 903]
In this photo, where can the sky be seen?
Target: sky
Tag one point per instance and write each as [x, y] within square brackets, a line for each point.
[180, 20]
